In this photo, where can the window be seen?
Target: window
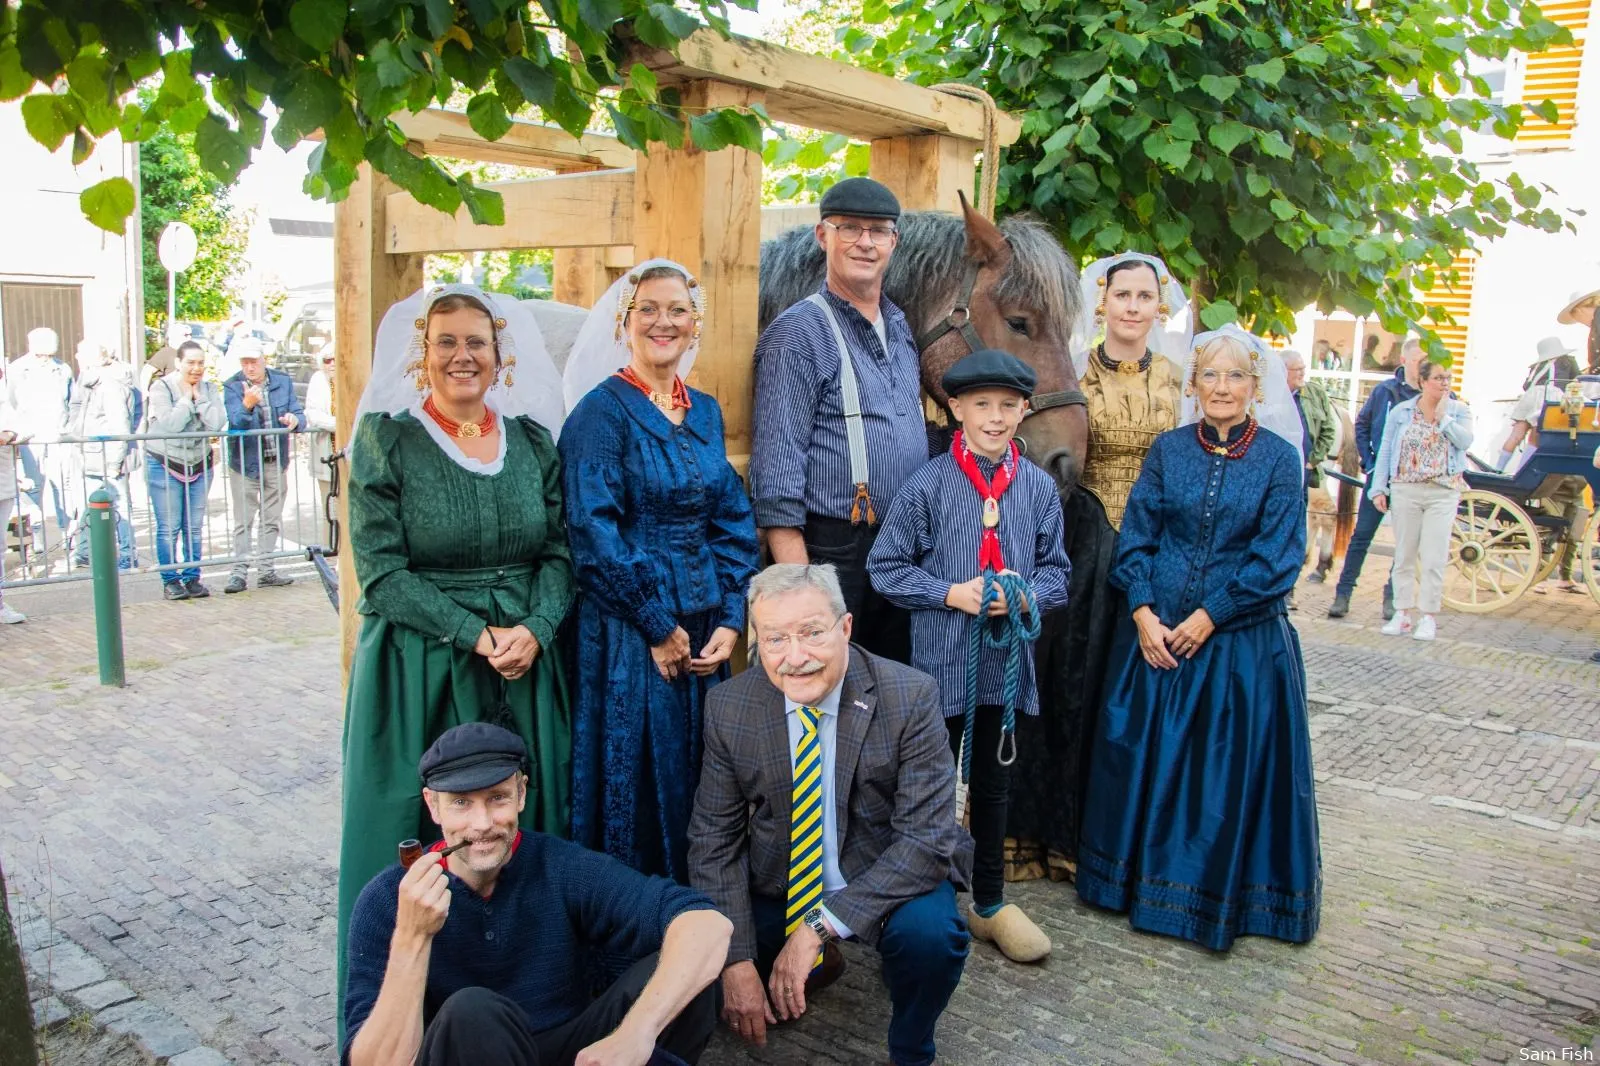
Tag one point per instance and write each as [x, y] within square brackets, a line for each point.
[26, 306]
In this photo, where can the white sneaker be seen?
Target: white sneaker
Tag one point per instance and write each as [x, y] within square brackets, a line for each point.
[10, 616]
[1425, 629]
[1398, 626]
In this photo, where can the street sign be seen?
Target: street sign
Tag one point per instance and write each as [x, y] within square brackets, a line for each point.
[178, 247]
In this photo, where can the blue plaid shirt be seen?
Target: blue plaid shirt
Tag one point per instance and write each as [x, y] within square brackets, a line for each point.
[800, 457]
[929, 541]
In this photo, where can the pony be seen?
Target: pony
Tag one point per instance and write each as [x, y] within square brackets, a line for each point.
[1331, 509]
[966, 283]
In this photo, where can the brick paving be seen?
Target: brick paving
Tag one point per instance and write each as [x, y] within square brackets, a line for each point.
[182, 832]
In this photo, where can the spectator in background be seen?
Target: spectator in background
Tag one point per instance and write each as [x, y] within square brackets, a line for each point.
[258, 399]
[1317, 423]
[1418, 475]
[1547, 383]
[180, 470]
[1369, 435]
[41, 389]
[1322, 356]
[8, 488]
[104, 404]
[320, 422]
[1580, 311]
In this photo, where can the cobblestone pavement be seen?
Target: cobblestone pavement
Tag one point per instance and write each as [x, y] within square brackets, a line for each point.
[183, 831]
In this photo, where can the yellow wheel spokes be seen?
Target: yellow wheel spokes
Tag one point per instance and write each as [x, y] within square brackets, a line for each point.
[1495, 553]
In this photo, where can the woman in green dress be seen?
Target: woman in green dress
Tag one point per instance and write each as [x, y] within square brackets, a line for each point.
[456, 530]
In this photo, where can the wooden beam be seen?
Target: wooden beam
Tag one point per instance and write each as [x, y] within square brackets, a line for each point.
[926, 172]
[703, 210]
[822, 93]
[562, 211]
[367, 281]
[527, 144]
[580, 276]
[776, 220]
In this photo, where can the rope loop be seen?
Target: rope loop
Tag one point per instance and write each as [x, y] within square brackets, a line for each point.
[1013, 633]
[989, 187]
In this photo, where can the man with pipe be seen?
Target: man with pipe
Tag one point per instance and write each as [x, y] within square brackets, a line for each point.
[480, 955]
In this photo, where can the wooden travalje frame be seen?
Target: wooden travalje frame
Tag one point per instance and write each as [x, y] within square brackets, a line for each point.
[610, 206]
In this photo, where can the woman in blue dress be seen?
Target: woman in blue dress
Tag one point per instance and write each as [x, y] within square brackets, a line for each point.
[664, 545]
[1201, 817]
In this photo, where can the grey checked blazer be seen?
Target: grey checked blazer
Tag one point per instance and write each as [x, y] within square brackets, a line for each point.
[894, 789]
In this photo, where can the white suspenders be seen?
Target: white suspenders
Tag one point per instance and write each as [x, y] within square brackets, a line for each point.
[855, 434]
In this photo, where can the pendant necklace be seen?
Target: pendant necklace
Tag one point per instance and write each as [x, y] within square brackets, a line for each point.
[1124, 366]
[459, 429]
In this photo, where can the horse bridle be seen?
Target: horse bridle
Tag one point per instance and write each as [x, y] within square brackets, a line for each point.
[959, 320]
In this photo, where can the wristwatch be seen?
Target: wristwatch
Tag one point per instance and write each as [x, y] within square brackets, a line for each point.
[814, 919]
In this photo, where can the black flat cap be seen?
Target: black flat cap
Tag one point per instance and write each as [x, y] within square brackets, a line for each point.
[471, 756]
[860, 198]
[989, 369]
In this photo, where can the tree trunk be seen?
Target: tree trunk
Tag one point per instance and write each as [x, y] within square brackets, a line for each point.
[16, 1017]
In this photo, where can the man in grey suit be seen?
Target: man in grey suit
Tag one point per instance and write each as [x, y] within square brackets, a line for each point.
[826, 809]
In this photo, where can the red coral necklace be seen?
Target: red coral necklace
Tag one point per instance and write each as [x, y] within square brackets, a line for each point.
[460, 429]
[1228, 451]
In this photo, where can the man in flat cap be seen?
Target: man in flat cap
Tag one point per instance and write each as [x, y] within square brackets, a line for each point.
[483, 955]
[838, 418]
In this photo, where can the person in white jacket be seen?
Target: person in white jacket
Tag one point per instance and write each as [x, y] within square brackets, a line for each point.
[9, 459]
[321, 425]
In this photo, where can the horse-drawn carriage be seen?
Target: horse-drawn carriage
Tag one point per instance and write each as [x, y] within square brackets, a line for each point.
[1510, 531]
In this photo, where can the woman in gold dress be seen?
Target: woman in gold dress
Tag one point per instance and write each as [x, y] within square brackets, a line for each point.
[1133, 393]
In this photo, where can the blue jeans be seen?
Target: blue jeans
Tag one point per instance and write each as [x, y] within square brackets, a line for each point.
[180, 509]
[44, 472]
[1368, 519]
[127, 558]
[923, 947]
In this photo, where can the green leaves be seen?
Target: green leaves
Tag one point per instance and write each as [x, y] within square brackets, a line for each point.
[722, 129]
[108, 203]
[1218, 88]
[1270, 71]
[1228, 135]
[1218, 313]
[221, 150]
[48, 119]
[318, 22]
[488, 116]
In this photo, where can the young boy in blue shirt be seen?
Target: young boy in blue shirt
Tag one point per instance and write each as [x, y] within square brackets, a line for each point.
[978, 511]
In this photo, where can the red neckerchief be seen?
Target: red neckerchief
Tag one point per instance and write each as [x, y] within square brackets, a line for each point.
[680, 391]
[989, 555]
[516, 841]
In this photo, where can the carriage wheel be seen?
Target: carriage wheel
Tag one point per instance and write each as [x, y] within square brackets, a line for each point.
[1550, 546]
[1494, 553]
[1589, 557]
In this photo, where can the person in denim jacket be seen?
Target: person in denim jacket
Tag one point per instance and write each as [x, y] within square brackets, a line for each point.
[1417, 478]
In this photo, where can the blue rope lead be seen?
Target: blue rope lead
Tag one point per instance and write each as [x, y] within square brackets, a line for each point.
[1013, 633]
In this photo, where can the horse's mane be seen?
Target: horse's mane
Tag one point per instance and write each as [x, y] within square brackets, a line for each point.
[927, 268]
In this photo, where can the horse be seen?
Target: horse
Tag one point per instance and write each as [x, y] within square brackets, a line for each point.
[1332, 507]
[966, 283]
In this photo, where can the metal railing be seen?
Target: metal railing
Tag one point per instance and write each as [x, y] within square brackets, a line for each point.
[1349, 388]
[200, 511]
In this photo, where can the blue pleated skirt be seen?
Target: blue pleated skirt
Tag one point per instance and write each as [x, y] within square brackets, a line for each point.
[1201, 815]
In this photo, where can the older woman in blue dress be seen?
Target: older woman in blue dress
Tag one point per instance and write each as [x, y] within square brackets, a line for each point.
[1201, 819]
[664, 543]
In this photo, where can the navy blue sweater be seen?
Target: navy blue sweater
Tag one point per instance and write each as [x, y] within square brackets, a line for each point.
[1202, 530]
[553, 904]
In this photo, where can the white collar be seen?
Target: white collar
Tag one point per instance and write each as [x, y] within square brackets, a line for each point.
[453, 450]
[829, 704]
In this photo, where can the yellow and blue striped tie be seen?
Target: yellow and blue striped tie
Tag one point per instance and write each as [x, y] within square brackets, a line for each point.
[805, 824]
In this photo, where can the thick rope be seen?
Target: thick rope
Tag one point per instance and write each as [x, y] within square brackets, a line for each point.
[1014, 633]
[989, 187]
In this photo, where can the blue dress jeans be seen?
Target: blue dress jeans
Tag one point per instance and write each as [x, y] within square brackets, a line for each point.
[923, 947]
[180, 510]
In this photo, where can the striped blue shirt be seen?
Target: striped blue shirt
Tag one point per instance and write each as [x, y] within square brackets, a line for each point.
[929, 541]
[800, 456]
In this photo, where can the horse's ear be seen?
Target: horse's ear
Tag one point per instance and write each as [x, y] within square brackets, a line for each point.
[985, 243]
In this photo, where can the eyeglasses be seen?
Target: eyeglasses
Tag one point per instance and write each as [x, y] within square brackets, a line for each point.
[850, 232]
[677, 315]
[1232, 377]
[450, 346]
[812, 636]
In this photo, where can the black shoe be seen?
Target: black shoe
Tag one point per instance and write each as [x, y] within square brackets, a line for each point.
[1340, 605]
[197, 591]
[1388, 603]
[174, 590]
[1594, 656]
[235, 584]
[1318, 577]
[273, 581]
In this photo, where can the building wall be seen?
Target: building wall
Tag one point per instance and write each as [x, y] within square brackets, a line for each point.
[48, 241]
